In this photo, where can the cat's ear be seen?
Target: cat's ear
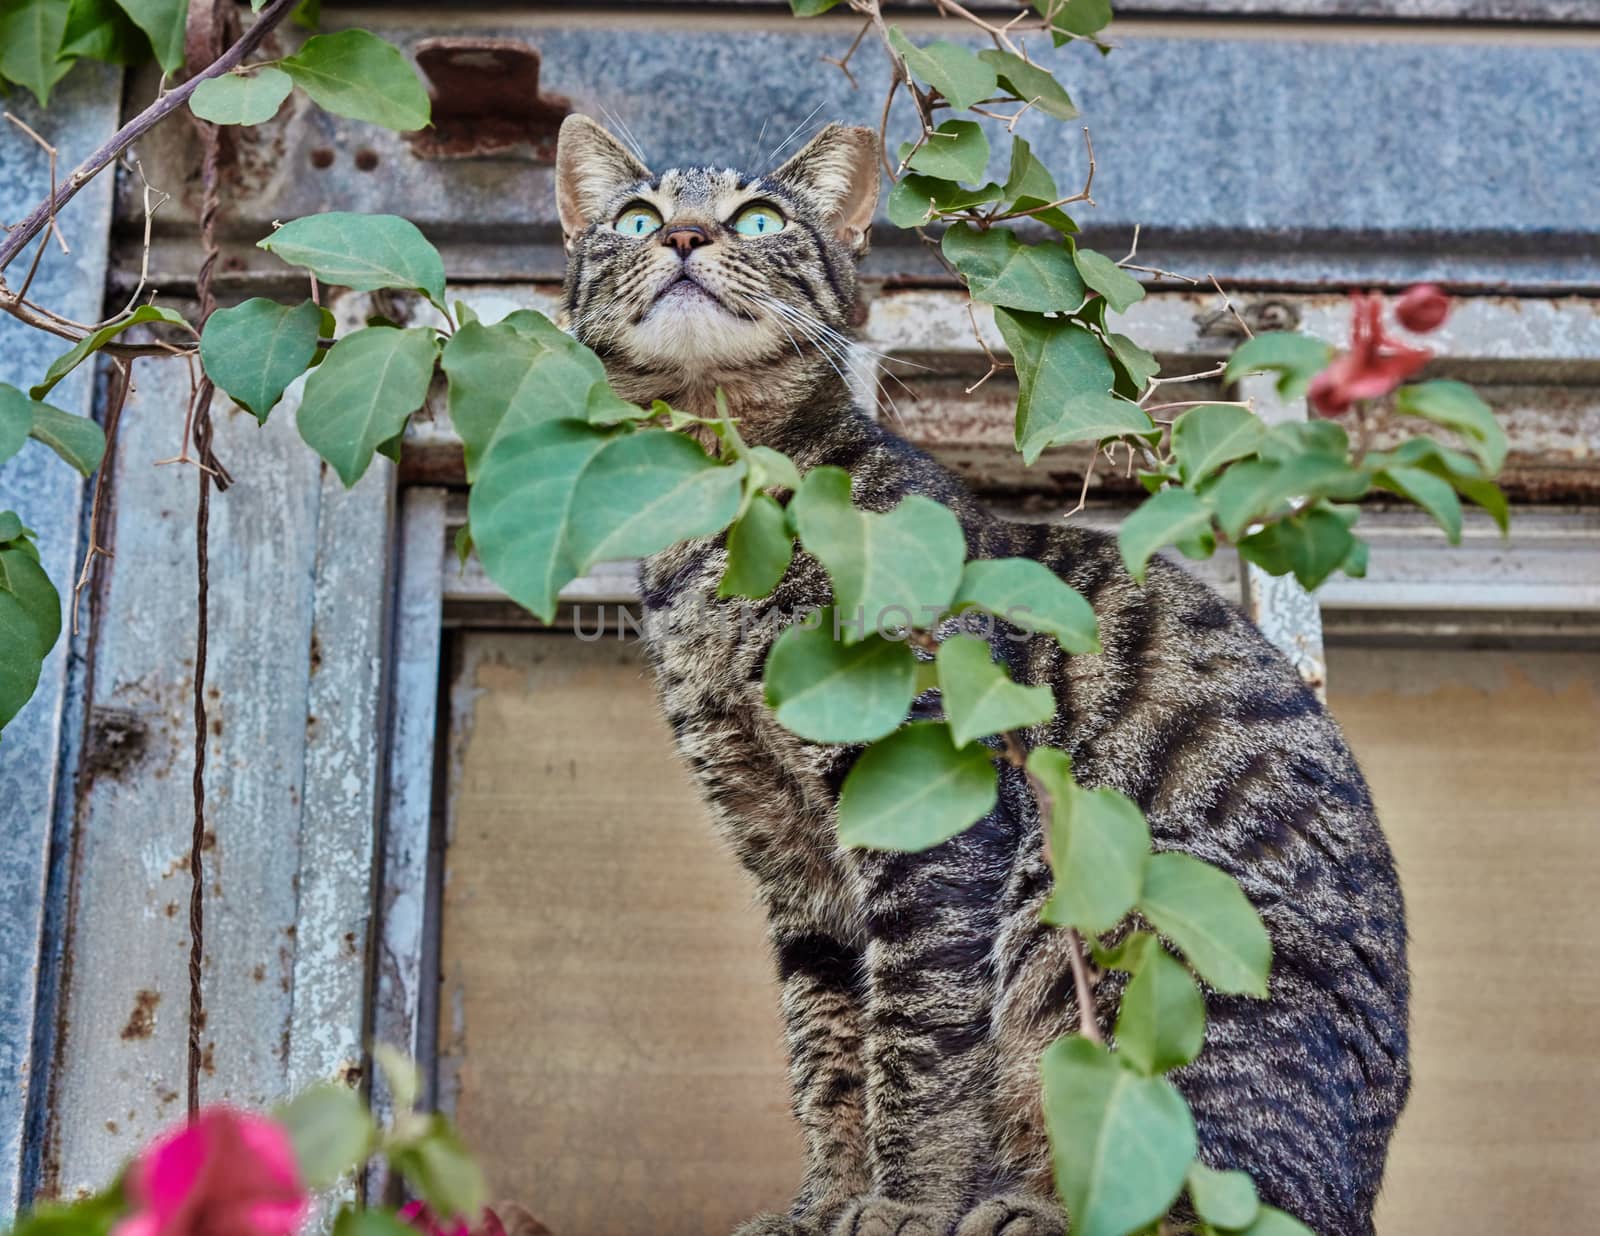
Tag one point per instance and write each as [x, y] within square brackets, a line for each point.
[839, 168]
[591, 166]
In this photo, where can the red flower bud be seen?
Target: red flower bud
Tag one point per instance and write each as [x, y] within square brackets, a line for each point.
[1422, 308]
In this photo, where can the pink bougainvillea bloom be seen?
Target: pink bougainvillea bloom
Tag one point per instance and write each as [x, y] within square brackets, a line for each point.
[229, 1173]
[419, 1216]
[1422, 308]
[1374, 365]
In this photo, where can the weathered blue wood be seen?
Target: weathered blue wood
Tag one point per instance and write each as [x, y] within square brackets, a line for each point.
[298, 571]
[38, 756]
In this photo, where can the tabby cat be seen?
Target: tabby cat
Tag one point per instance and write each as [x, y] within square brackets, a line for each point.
[919, 990]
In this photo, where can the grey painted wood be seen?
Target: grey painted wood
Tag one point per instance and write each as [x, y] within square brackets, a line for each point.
[1579, 12]
[297, 629]
[408, 914]
[38, 754]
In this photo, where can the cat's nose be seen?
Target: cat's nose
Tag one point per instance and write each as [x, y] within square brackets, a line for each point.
[685, 237]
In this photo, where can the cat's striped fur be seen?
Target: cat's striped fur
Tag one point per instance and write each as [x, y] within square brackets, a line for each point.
[918, 990]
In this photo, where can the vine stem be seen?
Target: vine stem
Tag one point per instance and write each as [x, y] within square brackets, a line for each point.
[136, 128]
[1016, 754]
[201, 419]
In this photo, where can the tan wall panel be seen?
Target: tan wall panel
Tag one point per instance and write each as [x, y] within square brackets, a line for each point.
[609, 1011]
[1486, 770]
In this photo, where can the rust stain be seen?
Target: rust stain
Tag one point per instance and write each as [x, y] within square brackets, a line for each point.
[208, 1060]
[116, 742]
[486, 100]
[142, 1021]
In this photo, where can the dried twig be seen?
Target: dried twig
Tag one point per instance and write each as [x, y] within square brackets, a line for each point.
[116, 396]
[40, 216]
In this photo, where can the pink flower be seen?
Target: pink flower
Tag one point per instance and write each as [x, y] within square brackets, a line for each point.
[1422, 308]
[1374, 365]
[419, 1216]
[229, 1173]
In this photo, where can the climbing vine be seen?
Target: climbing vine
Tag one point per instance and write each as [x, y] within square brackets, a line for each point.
[564, 474]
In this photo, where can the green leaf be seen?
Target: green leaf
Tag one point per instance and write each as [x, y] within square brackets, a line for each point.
[1029, 595]
[1205, 438]
[979, 697]
[1164, 518]
[11, 526]
[1256, 489]
[760, 548]
[889, 569]
[1080, 17]
[1030, 83]
[1086, 418]
[521, 507]
[1295, 358]
[828, 691]
[1272, 1222]
[362, 394]
[507, 376]
[770, 468]
[23, 578]
[16, 421]
[1056, 360]
[1162, 1021]
[915, 789]
[77, 439]
[439, 1168]
[1122, 1143]
[1224, 1199]
[962, 78]
[93, 342]
[357, 74]
[1203, 912]
[812, 8]
[331, 1129]
[957, 150]
[1137, 365]
[1433, 494]
[1002, 270]
[645, 491]
[399, 1074]
[235, 98]
[100, 30]
[30, 40]
[307, 14]
[1457, 406]
[254, 350]
[913, 200]
[163, 22]
[1102, 274]
[96, 1215]
[364, 252]
[1028, 177]
[1100, 845]
[363, 1222]
[1311, 546]
[20, 659]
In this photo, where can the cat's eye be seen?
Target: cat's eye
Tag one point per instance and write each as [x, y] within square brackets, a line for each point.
[758, 221]
[638, 221]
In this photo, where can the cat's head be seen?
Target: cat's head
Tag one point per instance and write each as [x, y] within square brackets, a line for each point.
[699, 274]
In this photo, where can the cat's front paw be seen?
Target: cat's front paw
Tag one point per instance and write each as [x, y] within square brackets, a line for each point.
[879, 1216]
[1014, 1215]
[773, 1225]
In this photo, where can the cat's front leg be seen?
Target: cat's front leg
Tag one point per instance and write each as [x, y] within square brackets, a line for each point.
[929, 1058]
[823, 991]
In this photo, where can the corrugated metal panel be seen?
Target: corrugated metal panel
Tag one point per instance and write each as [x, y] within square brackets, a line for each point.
[1312, 157]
